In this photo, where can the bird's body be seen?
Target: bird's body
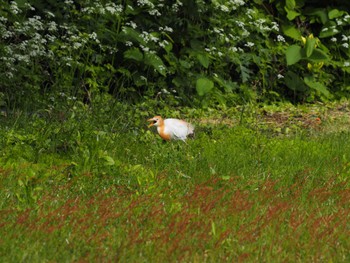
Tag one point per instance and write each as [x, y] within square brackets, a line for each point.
[172, 129]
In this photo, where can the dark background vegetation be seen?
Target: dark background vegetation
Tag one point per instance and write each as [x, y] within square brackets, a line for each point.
[195, 53]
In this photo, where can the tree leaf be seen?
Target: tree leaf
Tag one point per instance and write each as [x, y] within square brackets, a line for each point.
[291, 31]
[310, 46]
[203, 59]
[334, 13]
[134, 53]
[293, 54]
[290, 4]
[204, 85]
[310, 81]
[156, 62]
[291, 14]
[318, 56]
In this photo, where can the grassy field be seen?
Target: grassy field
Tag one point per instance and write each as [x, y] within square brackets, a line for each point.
[257, 186]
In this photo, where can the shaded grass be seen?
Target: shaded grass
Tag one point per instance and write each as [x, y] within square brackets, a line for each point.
[232, 194]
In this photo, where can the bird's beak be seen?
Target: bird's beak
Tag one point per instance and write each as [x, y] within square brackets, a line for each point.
[152, 122]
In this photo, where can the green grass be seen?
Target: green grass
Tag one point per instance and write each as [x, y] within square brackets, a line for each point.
[97, 190]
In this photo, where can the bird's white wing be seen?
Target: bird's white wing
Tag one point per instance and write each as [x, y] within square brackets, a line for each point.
[179, 129]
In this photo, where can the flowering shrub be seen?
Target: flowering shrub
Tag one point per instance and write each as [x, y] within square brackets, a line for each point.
[178, 52]
[319, 60]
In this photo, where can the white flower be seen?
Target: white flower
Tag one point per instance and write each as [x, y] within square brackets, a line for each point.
[280, 38]
[224, 8]
[346, 45]
[77, 45]
[133, 24]
[280, 76]
[128, 43]
[346, 64]
[339, 22]
[68, 2]
[275, 26]
[154, 12]
[168, 29]
[145, 49]
[333, 39]
[154, 39]
[249, 44]
[14, 8]
[50, 14]
[9, 74]
[93, 36]
[52, 26]
[165, 91]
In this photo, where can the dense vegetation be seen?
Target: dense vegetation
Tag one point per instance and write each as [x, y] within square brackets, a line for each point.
[94, 191]
[83, 179]
[177, 52]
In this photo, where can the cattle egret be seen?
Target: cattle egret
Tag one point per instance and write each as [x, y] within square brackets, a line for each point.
[172, 129]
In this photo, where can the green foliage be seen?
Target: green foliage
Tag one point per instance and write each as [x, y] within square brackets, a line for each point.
[322, 30]
[135, 50]
[95, 183]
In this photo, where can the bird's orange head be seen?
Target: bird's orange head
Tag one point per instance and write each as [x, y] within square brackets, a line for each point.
[155, 121]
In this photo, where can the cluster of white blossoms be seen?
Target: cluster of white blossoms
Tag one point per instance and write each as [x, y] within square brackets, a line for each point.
[33, 36]
[228, 6]
[241, 31]
[280, 38]
[98, 8]
[344, 41]
[334, 29]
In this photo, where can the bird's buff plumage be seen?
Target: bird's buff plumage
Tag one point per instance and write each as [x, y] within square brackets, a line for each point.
[172, 129]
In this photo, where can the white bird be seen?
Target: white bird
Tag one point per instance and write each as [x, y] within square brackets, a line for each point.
[172, 129]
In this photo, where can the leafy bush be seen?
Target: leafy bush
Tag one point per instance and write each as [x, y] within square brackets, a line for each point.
[176, 52]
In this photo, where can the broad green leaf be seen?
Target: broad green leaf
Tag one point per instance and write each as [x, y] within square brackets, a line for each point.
[204, 85]
[293, 54]
[291, 14]
[291, 31]
[203, 59]
[310, 46]
[156, 62]
[310, 81]
[290, 4]
[133, 53]
[318, 56]
[294, 82]
[334, 13]
[168, 47]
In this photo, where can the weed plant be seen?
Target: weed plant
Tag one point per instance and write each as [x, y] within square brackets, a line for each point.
[82, 187]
